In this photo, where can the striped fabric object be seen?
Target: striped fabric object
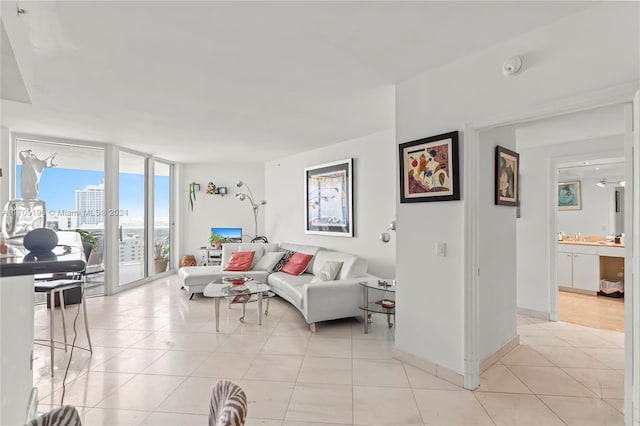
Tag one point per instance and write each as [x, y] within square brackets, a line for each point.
[288, 254]
[228, 406]
[67, 415]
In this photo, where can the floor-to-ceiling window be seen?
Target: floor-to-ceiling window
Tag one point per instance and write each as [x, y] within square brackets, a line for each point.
[75, 190]
[71, 185]
[161, 215]
[132, 213]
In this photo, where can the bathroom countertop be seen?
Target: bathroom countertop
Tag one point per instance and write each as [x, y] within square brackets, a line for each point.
[592, 243]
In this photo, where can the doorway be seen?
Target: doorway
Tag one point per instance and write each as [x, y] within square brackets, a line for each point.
[590, 258]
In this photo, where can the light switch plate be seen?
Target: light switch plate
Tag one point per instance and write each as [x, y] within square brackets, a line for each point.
[441, 249]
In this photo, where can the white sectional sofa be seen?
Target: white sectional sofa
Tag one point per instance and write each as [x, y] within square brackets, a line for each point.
[317, 301]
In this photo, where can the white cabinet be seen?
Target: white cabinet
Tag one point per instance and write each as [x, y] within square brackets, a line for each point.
[565, 269]
[586, 272]
[579, 271]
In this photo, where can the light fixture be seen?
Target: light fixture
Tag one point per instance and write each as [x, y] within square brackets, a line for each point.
[603, 182]
[254, 206]
[385, 237]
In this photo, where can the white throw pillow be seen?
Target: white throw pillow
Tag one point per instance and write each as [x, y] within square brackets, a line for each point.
[329, 272]
[268, 261]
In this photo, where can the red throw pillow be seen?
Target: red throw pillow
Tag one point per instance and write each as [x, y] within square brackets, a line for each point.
[297, 264]
[240, 261]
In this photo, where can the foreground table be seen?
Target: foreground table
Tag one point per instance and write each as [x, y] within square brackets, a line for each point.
[220, 289]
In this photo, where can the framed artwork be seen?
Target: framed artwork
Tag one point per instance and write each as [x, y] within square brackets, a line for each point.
[569, 196]
[329, 198]
[429, 169]
[507, 178]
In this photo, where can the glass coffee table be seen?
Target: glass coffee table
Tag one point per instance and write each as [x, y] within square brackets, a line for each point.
[242, 293]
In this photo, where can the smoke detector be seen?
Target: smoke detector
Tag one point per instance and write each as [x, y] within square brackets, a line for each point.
[512, 66]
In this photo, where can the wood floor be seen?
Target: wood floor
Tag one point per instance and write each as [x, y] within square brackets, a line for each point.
[592, 311]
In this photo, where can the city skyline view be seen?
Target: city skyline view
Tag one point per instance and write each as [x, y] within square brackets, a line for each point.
[60, 196]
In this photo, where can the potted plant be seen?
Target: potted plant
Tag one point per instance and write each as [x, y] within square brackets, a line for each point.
[216, 240]
[161, 255]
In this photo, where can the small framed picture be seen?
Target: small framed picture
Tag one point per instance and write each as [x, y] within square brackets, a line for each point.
[569, 196]
[429, 169]
[507, 180]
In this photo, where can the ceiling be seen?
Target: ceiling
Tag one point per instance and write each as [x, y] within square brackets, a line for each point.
[206, 81]
[590, 124]
[609, 169]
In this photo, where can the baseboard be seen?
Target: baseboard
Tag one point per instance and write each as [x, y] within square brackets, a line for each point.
[497, 355]
[444, 373]
[534, 314]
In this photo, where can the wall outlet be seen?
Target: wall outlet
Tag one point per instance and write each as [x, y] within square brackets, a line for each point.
[441, 249]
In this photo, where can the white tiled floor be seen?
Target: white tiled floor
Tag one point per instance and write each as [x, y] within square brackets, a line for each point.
[156, 357]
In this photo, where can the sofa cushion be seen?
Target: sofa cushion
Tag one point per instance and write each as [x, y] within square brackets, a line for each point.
[297, 264]
[240, 261]
[329, 271]
[259, 248]
[289, 287]
[286, 255]
[352, 265]
[268, 261]
[301, 248]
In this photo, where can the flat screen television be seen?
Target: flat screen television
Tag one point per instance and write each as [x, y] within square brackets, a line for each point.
[231, 235]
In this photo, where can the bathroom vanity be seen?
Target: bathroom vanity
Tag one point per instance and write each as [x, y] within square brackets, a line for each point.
[582, 264]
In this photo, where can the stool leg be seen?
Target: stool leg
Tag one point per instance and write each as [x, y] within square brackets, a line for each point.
[52, 301]
[86, 320]
[64, 324]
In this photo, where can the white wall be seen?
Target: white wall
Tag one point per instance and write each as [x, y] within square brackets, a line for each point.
[595, 216]
[5, 157]
[374, 198]
[563, 63]
[534, 230]
[496, 251]
[217, 210]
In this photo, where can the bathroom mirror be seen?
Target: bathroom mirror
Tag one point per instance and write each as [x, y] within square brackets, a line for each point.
[602, 198]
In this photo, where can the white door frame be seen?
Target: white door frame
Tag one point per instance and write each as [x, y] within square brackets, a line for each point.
[471, 139]
[631, 267]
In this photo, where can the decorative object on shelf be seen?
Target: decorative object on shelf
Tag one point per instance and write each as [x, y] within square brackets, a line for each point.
[429, 169]
[329, 203]
[193, 187]
[569, 196]
[21, 216]
[216, 240]
[385, 237]
[385, 284]
[387, 303]
[161, 255]
[507, 177]
[188, 260]
[212, 189]
[254, 206]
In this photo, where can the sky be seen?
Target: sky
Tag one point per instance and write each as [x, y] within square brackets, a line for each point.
[57, 189]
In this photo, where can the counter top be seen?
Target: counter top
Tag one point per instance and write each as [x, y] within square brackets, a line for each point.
[67, 256]
[592, 243]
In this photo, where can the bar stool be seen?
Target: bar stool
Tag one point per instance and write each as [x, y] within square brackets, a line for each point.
[58, 286]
